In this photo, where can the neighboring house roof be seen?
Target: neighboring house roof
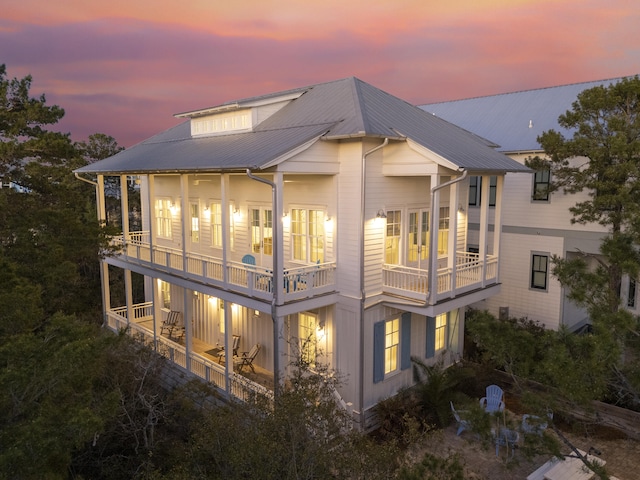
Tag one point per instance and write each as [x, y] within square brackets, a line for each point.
[340, 109]
[514, 120]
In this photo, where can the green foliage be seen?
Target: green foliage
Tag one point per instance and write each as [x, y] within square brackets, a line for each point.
[603, 159]
[436, 386]
[575, 367]
[304, 435]
[48, 229]
[432, 467]
[514, 345]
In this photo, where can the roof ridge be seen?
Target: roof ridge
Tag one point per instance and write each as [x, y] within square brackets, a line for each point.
[515, 92]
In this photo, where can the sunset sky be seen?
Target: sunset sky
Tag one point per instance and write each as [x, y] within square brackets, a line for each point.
[123, 68]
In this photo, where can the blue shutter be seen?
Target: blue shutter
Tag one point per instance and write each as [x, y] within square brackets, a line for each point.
[378, 352]
[431, 337]
[405, 341]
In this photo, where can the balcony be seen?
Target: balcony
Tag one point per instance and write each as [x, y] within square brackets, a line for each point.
[299, 282]
[470, 273]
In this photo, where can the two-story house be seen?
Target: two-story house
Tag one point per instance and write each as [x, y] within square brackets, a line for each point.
[328, 222]
[536, 224]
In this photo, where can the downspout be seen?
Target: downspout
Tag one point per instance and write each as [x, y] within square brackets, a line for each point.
[363, 184]
[277, 280]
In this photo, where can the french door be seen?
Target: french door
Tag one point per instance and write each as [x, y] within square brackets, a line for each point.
[418, 239]
[262, 235]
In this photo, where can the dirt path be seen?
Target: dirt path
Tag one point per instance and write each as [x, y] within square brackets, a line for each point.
[622, 455]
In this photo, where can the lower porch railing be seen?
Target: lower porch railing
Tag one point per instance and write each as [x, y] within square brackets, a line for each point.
[240, 387]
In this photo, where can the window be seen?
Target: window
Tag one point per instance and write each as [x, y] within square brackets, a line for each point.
[541, 184]
[163, 218]
[631, 295]
[307, 235]
[216, 224]
[391, 346]
[443, 231]
[436, 334]
[392, 238]
[440, 332]
[475, 190]
[165, 294]
[307, 325]
[539, 270]
[194, 210]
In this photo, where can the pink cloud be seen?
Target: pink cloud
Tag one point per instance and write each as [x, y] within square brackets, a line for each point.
[126, 77]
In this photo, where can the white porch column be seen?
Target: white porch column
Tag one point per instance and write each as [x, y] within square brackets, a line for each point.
[104, 267]
[484, 225]
[228, 346]
[128, 295]
[186, 318]
[434, 225]
[226, 223]
[453, 235]
[497, 227]
[124, 206]
[278, 251]
[184, 216]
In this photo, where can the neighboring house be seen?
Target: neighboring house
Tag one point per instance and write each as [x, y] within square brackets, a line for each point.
[327, 222]
[535, 224]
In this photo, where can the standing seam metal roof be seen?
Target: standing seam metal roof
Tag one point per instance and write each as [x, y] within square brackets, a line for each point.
[333, 110]
[514, 120]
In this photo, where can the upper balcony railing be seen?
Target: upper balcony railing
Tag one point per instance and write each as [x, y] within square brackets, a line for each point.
[465, 277]
[299, 282]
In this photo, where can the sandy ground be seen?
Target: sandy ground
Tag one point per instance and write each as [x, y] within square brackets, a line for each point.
[622, 456]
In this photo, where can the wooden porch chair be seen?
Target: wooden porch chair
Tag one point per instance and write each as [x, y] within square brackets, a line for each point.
[247, 358]
[493, 401]
[235, 345]
[173, 323]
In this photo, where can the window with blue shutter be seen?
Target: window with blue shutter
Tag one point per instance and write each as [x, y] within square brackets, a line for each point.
[378, 352]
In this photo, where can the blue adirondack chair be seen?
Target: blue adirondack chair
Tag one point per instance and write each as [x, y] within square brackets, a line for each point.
[462, 424]
[494, 399]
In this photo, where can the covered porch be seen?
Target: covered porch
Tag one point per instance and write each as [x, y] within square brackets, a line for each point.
[196, 356]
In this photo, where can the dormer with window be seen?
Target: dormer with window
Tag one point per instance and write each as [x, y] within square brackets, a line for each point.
[237, 117]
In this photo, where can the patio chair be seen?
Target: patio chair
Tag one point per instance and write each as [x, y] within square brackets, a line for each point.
[532, 424]
[173, 322]
[247, 358]
[506, 438]
[494, 400]
[462, 424]
[234, 348]
[249, 259]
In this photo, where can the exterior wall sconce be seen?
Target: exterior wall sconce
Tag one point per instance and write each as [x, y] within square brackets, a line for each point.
[460, 208]
[381, 214]
[236, 214]
[173, 208]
